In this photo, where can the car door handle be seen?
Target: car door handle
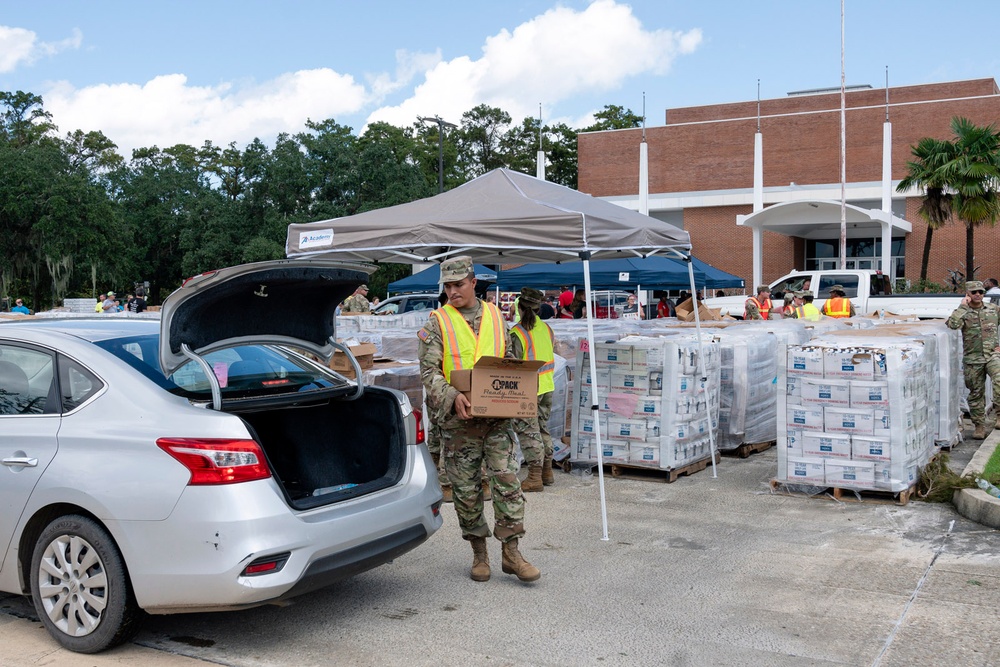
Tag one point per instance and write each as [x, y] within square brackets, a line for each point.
[20, 462]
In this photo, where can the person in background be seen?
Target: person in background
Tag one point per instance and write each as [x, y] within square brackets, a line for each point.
[758, 307]
[137, 303]
[19, 307]
[664, 308]
[99, 306]
[838, 305]
[788, 309]
[804, 308]
[565, 299]
[578, 306]
[632, 311]
[375, 303]
[992, 290]
[358, 302]
[979, 323]
[719, 293]
[547, 310]
[110, 304]
[454, 337]
[533, 339]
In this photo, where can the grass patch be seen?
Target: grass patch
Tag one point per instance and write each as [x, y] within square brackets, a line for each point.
[992, 469]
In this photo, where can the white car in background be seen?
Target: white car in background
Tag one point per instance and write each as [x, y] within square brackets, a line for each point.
[199, 463]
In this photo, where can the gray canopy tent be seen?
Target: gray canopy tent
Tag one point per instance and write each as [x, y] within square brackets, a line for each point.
[502, 217]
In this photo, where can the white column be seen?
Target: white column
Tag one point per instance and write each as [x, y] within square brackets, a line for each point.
[887, 201]
[758, 257]
[644, 178]
[758, 172]
[540, 168]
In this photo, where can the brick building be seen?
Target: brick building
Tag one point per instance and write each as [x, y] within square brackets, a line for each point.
[701, 176]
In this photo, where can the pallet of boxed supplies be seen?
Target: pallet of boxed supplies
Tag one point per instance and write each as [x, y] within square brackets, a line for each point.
[656, 409]
[854, 413]
[747, 390]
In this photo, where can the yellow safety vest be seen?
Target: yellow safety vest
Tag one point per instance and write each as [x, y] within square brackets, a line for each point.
[807, 311]
[837, 306]
[539, 348]
[462, 348]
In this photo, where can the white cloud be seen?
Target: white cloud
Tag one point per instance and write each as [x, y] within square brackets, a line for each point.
[551, 58]
[167, 110]
[21, 47]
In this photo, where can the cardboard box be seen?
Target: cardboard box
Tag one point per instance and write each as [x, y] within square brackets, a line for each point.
[834, 393]
[613, 355]
[849, 365]
[805, 361]
[363, 352]
[803, 417]
[858, 474]
[640, 455]
[806, 471]
[869, 394]
[826, 445]
[849, 420]
[500, 388]
[685, 312]
[627, 429]
[871, 448]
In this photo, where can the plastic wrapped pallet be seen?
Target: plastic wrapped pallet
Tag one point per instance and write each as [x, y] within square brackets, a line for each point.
[560, 408]
[881, 438]
[748, 391]
[656, 409]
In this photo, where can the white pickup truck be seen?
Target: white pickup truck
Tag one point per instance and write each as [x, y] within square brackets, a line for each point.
[869, 291]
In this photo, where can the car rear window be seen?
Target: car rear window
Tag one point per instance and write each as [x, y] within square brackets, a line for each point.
[243, 372]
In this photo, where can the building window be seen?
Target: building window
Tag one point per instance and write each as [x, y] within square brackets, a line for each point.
[862, 253]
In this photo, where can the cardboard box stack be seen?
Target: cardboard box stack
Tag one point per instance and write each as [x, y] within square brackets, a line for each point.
[854, 413]
[656, 410]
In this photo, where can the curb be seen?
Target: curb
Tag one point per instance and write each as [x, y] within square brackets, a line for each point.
[976, 504]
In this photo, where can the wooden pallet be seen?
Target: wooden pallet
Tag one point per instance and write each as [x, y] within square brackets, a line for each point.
[847, 494]
[647, 473]
[748, 448]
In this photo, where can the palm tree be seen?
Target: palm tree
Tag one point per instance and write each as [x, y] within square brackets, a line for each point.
[973, 174]
[925, 172]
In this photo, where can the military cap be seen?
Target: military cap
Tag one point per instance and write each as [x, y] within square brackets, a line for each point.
[837, 288]
[788, 297]
[531, 297]
[974, 285]
[364, 287]
[763, 288]
[801, 295]
[455, 269]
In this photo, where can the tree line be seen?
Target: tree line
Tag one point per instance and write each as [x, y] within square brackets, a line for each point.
[78, 218]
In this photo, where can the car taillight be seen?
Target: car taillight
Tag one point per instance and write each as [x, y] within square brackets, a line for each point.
[421, 435]
[217, 460]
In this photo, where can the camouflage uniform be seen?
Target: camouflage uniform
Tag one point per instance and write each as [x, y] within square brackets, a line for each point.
[979, 334]
[470, 445]
[356, 303]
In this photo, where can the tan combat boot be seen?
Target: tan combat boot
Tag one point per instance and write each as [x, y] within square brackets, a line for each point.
[534, 480]
[548, 479]
[514, 563]
[980, 433]
[480, 560]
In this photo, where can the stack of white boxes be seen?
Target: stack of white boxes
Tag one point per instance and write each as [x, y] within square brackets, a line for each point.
[855, 413]
[655, 410]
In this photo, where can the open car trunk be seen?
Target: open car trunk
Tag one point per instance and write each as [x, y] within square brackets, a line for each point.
[331, 450]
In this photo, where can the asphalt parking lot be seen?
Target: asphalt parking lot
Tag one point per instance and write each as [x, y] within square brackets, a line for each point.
[704, 571]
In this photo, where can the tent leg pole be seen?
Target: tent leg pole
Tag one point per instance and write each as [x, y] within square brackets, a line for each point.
[596, 399]
[701, 367]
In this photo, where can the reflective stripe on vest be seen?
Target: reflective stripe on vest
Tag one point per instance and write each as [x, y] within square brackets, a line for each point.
[539, 348]
[838, 306]
[461, 347]
[764, 308]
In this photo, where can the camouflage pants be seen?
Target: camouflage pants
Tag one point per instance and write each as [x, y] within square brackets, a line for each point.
[975, 380]
[533, 434]
[434, 447]
[479, 445]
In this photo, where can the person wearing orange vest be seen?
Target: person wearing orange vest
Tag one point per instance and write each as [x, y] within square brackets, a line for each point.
[838, 305]
[758, 307]
[533, 339]
[454, 337]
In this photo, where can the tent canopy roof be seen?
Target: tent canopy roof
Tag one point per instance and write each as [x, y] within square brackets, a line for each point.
[502, 217]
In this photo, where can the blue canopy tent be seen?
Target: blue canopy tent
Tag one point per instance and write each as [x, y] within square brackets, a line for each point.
[429, 280]
[653, 273]
[715, 278]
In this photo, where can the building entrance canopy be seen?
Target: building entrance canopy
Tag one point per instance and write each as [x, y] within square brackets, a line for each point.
[819, 219]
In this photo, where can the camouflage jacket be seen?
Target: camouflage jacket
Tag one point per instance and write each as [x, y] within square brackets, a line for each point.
[430, 350]
[357, 304]
[979, 331]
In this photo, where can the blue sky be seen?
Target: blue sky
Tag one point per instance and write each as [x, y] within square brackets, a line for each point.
[157, 72]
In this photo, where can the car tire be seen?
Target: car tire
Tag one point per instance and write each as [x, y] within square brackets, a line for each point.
[86, 609]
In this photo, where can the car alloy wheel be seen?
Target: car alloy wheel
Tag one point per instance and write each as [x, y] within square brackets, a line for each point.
[79, 586]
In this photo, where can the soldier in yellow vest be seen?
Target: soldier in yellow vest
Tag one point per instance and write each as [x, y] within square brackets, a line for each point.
[455, 336]
[532, 339]
[838, 305]
[804, 308]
